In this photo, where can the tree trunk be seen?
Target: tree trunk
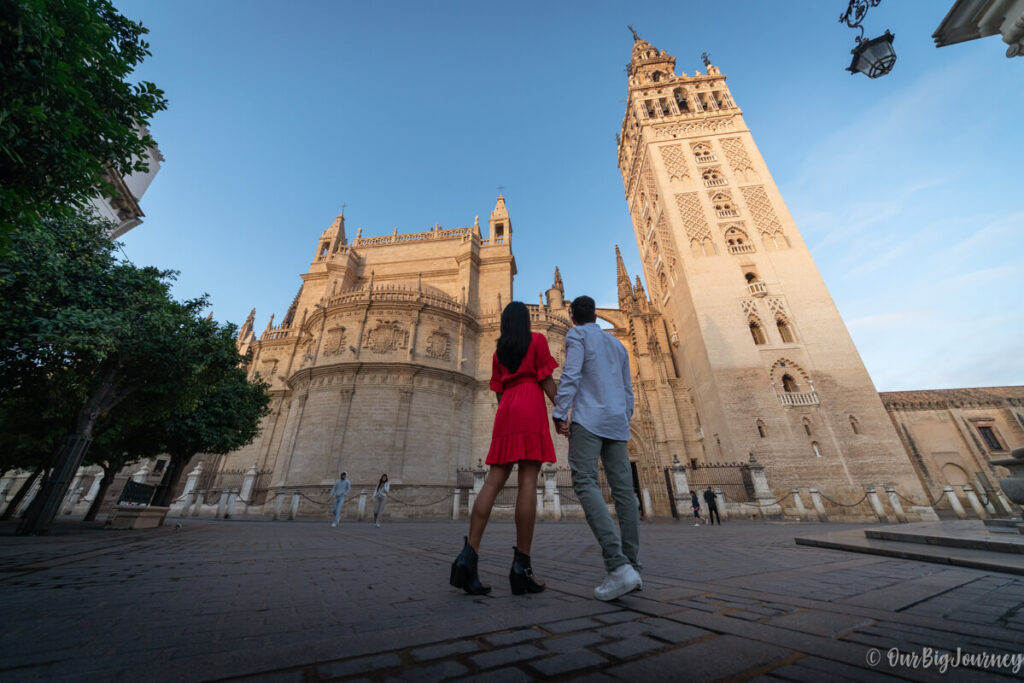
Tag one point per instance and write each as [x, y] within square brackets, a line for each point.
[106, 396]
[169, 484]
[20, 495]
[101, 493]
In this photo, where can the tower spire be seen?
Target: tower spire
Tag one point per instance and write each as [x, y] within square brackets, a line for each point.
[622, 279]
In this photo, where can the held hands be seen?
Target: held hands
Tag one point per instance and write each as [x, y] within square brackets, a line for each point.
[561, 426]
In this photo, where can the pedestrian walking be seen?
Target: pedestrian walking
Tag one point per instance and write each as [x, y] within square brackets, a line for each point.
[696, 508]
[520, 377]
[380, 494]
[338, 493]
[596, 387]
[712, 502]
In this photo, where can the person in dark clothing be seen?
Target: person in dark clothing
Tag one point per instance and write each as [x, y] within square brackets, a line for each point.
[695, 504]
[709, 498]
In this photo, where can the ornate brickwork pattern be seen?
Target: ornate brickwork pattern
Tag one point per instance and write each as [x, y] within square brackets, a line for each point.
[749, 306]
[777, 306]
[661, 227]
[675, 162]
[439, 346]
[388, 335]
[674, 130]
[694, 220]
[761, 210]
[736, 154]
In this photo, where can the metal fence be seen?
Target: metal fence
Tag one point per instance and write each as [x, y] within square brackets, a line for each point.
[732, 477]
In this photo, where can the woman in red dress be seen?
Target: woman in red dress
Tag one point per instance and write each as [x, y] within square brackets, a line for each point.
[520, 376]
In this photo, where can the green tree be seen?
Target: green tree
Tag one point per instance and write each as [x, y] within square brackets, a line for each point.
[67, 112]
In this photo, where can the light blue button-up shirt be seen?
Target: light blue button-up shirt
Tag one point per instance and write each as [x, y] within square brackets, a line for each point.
[596, 383]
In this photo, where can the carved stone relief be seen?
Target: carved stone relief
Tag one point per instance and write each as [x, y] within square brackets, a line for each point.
[439, 345]
[388, 335]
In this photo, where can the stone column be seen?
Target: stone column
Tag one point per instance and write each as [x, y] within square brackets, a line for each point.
[248, 481]
[540, 502]
[222, 503]
[73, 492]
[294, 511]
[550, 488]
[186, 505]
[29, 497]
[140, 474]
[456, 494]
[682, 487]
[819, 507]
[278, 503]
[801, 511]
[361, 513]
[720, 498]
[876, 504]
[479, 474]
[94, 488]
[972, 498]
[954, 502]
[232, 495]
[768, 505]
[894, 501]
[199, 502]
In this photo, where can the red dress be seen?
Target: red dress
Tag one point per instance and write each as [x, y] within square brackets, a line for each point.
[521, 428]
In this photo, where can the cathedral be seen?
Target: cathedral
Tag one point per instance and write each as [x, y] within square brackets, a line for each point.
[738, 353]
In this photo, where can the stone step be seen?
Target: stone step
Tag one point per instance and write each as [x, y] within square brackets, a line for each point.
[854, 540]
[1002, 543]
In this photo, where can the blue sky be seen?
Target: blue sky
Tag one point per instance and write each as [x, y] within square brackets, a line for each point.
[906, 188]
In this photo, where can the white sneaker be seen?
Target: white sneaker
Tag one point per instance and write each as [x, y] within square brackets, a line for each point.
[697, 524]
[378, 525]
[334, 524]
[617, 583]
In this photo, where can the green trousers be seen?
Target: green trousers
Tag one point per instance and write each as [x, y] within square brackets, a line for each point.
[584, 450]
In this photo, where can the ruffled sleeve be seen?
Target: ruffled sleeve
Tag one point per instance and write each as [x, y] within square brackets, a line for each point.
[542, 358]
[497, 385]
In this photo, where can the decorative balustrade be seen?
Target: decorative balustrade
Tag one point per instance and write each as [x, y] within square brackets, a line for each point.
[726, 213]
[757, 288]
[714, 182]
[391, 292]
[705, 158]
[741, 249]
[280, 332]
[798, 398]
[413, 237]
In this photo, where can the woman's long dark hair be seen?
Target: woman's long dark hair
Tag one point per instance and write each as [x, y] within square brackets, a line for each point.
[515, 335]
[380, 482]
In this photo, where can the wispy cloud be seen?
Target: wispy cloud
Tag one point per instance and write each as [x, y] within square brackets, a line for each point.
[886, 319]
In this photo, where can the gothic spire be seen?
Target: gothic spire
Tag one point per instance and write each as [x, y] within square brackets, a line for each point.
[558, 281]
[622, 279]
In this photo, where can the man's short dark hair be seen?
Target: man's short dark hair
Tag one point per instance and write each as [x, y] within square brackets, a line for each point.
[583, 309]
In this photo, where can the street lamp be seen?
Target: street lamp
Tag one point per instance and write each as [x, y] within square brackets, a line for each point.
[874, 57]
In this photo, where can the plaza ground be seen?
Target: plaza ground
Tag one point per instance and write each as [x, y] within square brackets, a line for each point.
[300, 601]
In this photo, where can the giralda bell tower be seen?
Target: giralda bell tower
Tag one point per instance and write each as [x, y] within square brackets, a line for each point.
[756, 336]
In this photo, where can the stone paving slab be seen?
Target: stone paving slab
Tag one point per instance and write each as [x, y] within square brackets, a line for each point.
[300, 601]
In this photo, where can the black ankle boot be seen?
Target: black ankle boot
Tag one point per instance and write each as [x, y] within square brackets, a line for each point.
[464, 572]
[521, 575]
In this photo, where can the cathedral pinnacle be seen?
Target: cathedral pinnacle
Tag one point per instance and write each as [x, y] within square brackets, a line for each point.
[622, 278]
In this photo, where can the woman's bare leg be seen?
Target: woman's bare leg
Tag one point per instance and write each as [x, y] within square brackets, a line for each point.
[485, 501]
[526, 504]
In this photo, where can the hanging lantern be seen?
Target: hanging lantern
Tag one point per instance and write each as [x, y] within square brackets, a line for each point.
[874, 57]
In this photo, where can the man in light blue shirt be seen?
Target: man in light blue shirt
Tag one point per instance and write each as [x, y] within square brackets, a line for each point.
[596, 386]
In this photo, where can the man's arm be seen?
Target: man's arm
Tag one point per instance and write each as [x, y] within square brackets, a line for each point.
[569, 383]
[627, 383]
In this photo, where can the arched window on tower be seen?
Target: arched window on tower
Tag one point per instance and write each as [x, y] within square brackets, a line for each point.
[789, 384]
[814, 447]
[703, 154]
[807, 426]
[785, 330]
[756, 331]
[724, 206]
[854, 425]
[656, 76]
[712, 177]
[738, 242]
[663, 283]
[761, 429]
[680, 98]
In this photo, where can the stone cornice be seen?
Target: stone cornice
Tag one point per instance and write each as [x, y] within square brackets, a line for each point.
[944, 399]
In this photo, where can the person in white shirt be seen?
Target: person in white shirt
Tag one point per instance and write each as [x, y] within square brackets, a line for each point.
[596, 386]
[381, 496]
[338, 493]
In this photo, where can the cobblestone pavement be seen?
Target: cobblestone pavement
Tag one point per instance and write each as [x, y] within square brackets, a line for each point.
[300, 601]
